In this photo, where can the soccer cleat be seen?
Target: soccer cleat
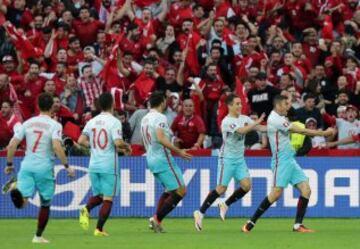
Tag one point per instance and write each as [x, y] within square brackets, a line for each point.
[98, 233]
[198, 217]
[84, 218]
[223, 208]
[247, 227]
[40, 240]
[151, 220]
[155, 225]
[9, 185]
[302, 229]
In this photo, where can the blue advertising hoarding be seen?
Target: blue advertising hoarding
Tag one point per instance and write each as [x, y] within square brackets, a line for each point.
[334, 181]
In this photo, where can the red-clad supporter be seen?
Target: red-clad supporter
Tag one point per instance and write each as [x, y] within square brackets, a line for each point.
[147, 23]
[7, 91]
[62, 114]
[86, 28]
[189, 39]
[15, 76]
[143, 85]
[8, 123]
[188, 127]
[74, 55]
[179, 12]
[133, 41]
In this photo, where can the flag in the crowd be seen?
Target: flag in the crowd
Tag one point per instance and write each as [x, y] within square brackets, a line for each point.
[110, 72]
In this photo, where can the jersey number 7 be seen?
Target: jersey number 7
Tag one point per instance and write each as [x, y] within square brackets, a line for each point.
[37, 141]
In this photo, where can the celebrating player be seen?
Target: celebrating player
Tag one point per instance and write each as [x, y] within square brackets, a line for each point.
[156, 137]
[284, 166]
[43, 139]
[231, 162]
[103, 134]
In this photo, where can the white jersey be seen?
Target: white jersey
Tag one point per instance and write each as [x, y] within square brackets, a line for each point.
[155, 152]
[102, 132]
[347, 129]
[279, 136]
[39, 133]
[233, 142]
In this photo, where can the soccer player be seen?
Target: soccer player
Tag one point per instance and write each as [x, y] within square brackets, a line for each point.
[231, 162]
[156, 136]
[103, 134]
[43, 139]
[284, 166]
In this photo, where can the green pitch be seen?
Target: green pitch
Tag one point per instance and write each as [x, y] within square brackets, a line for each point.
[134, 233]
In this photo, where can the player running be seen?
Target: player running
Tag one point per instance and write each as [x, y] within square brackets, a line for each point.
[156, 136]
[231, 162]
[284, 166]
[43, 138]
[103, 134]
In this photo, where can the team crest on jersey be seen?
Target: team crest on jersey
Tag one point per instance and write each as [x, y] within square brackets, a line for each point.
[286, 124]
[162, 125]
[232, 126]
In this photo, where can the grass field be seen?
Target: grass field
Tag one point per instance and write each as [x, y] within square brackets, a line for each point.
[134, 233]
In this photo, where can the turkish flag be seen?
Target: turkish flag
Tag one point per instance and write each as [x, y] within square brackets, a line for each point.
[143, 86]
[22, 43]
[110, 72]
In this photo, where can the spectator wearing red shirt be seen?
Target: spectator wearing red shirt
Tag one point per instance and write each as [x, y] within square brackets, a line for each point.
[189, 128]
[8, 122]
[147, 23]
[75, 54]
[86, 28]
[211, 86]
[16, 78]
[132, 41]
[179, 11]
[62, 114]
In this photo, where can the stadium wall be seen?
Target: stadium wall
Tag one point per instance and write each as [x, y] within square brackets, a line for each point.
[334, 181]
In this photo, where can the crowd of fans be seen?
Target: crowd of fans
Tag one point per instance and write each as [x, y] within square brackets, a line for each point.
[196, 52]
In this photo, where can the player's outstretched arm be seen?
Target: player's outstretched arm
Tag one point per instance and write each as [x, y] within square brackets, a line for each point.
[11, 149]
[60, 153]
[307, 132]
[246, 129]
[167, 144]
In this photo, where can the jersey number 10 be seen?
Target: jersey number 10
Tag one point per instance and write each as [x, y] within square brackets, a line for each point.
[97, 137]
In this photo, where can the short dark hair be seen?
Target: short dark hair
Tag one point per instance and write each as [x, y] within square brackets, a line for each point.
[230, 98]
[84, 67]
[343, 91]
[131, 26]
[309, 96]
[45, 102]
[278, 99]
[106, 101]
[73, 39]
[156, 99]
